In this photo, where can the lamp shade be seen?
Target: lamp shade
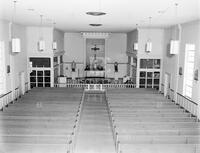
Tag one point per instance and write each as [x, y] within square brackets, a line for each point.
[135, 46]
[174, 47]
[54, 45]
[41, 45]
[148, 47]
[16, 46]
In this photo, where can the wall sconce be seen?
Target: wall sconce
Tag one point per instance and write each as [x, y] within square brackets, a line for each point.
[148, 47]
[174, 47]
[196, 77]
[41, 45]
[135, 46]
[16, 45]
[54, 45]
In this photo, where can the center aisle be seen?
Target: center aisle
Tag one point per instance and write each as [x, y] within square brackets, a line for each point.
[95, 133]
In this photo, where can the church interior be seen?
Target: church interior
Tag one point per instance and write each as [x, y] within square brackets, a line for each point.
[99, 76]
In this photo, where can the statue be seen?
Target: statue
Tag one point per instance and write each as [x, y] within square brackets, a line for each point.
[116, 67]
[73, 66]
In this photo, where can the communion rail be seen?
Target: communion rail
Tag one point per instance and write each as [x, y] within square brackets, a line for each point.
[103, 86]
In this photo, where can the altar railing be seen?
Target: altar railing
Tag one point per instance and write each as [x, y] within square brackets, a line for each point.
[95, 86]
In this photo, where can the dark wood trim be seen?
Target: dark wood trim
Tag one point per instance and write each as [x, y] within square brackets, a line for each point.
[5, 94]
[187, 98]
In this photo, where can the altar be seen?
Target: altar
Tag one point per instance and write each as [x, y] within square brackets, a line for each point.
[94, 74]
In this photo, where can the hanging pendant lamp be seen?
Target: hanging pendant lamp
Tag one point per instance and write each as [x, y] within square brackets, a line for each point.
[41, 43]
[15, 42]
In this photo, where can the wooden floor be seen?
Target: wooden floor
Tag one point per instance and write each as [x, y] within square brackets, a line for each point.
[146, 122]
[95, 133]
[40, 121]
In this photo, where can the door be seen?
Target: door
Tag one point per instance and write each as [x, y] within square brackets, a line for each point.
[167, 84]
[22, 83]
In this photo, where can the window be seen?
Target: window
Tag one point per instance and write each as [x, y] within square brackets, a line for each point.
[2, 68]
[189, 69]
[40, 62]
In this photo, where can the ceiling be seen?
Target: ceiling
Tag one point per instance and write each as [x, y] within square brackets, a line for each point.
[122, 15]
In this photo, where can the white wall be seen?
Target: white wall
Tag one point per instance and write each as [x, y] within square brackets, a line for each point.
[33, 37]
[17, 61]
[170, 62]
[74, 51]
[132, 37]
[157, 39]
[58, 36]
[190, 33]
[74, 47]
[115, 51]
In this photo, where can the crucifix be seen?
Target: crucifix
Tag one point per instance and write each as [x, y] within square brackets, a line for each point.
[95, 49]
[95, 56]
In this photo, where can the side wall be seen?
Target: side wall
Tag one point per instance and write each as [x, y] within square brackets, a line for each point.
[58, 36]
[17, 61]
[34, 33]
[189, 34]
[132, 37]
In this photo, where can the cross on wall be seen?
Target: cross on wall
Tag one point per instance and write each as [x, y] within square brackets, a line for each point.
[95, 48]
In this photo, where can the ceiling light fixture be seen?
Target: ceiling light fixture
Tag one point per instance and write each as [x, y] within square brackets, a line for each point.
[95, 24]
[31, 9]
[96, 13]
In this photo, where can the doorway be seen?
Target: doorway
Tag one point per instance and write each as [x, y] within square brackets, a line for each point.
[22, 83]
[167, 84]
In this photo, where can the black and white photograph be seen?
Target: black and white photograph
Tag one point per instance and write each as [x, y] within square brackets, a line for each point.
[99, 76]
